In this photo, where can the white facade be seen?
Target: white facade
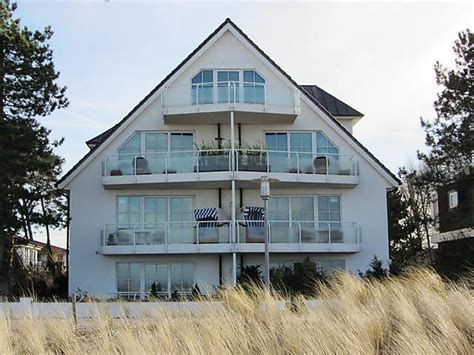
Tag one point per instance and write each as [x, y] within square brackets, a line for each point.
[336, 215]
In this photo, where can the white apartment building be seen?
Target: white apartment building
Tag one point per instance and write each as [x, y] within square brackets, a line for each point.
[170, 194]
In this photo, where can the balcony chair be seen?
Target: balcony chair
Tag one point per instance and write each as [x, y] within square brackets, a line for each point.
[254, 223]
[208, 225]
[141, 166]
[321, 165]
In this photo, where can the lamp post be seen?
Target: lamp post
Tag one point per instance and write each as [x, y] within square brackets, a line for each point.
[265, 195]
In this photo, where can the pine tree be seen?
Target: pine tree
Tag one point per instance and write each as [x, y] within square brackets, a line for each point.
[28, 90]
[450, 136]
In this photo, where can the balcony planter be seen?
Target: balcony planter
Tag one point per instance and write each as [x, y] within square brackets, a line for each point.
[116, 172]
[253, 161]
[213, 163]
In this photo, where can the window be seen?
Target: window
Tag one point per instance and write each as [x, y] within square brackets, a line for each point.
[182, 277]
[137, 278]
[324, 145]
[202, 85]
[228, 92]
[329, 209]
[156, 211]
[151, 210]
[181, 142]
[278, 209]
[128, 211]
[128, 277]
[145, 153]
[302, 209]
[156, 142]
[276, 142]
[254, 87]
[246, 86]
[157, 274]
[329, 267]
[453, 199]
[132, 146]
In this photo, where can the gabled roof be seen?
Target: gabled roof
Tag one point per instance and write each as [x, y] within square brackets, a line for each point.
[97, 141]
[331, 103]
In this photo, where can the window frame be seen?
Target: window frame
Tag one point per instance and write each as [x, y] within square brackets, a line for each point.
[240, 85]
[314, 141]
[143, 222]
[142, 277]
[315, 198]
[143, 134]
[453, 199]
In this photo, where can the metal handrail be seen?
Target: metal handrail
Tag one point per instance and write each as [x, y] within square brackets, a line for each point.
[239, 152]
[143, 227]
[197, 88]
[330, 225]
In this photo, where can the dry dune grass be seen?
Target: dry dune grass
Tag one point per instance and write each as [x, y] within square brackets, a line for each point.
[415, 314]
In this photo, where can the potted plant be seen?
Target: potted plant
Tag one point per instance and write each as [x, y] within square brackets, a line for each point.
[213, 158]
[115, 172]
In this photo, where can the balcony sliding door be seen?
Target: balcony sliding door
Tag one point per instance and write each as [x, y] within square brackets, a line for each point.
[155, 220]
[305, 219]
[181, 220]
[329, 217]
[156, 147]
[228, 86]
[291, 151]
[181, 157]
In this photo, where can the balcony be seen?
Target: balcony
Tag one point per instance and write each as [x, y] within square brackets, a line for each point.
[166, 237]
[216, 237]
[210, 103]
[214, 168]
[297, 237]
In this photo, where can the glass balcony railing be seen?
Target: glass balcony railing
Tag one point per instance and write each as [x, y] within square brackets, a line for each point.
[200, 161]
[299, 232]
[229, 93]
[296, 163]
[219, 232]
[167, 163]
[165, 233]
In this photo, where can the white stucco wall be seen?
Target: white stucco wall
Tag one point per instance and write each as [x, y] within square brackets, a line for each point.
[92, 206]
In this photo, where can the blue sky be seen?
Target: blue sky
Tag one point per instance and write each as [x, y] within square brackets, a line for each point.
[377, 57]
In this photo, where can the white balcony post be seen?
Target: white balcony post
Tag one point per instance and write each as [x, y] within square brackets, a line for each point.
[197, 233]
[299, 232]
[329, 232]
[297, 163]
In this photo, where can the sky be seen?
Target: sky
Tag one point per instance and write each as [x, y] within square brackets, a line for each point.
[377, 57]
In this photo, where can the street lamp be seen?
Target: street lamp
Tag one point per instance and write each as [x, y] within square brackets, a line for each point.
[265, 195]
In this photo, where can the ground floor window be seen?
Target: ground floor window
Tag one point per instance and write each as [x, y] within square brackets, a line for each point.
[326, 266]
[137, 279]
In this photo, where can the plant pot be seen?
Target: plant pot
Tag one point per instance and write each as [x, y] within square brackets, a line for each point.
[115, 172]
[254, 162]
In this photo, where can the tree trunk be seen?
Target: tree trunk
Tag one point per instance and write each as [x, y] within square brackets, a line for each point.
[51, 264]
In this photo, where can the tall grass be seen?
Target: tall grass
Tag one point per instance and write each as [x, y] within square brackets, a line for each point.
[414, 314]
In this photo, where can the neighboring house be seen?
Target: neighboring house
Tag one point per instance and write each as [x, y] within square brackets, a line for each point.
[34, 254]
[169, 194]
[454, 209]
